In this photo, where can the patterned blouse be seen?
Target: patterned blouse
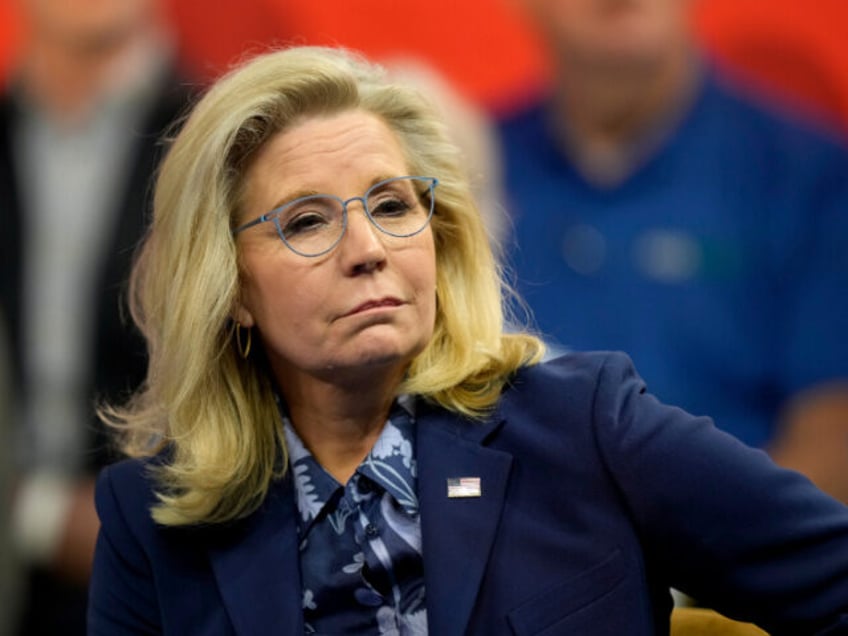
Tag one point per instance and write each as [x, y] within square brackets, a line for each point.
[360, 544]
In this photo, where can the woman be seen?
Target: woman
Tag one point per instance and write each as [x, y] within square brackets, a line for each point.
[336, 435]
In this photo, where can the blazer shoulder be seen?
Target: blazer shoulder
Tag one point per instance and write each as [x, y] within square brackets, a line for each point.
[586, 371]
[577, 386]
[133, 474]
[126, 490]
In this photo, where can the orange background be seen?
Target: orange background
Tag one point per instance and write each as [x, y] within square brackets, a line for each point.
[483, 47]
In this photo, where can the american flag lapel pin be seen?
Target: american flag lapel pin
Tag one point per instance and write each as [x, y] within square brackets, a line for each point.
[459, 487]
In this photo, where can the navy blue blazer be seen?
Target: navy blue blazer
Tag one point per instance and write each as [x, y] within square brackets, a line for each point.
[595, 499]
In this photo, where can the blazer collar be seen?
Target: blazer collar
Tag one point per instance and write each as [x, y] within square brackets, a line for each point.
[457, 530]
[256, 565]
[256, 561]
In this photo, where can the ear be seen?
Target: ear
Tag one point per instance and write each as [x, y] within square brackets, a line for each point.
[243, 316]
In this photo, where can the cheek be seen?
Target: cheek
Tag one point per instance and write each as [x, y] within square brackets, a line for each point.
[420, 261]
[267, 289]
[425, 280]
[290, 320]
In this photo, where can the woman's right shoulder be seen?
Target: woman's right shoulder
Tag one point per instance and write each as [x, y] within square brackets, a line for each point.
[126, 490]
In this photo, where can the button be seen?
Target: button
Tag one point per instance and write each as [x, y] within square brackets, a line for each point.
[584, 249]
[371, 531]
[667, 255]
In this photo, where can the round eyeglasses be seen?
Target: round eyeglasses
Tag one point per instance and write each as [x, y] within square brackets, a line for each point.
[314, 224]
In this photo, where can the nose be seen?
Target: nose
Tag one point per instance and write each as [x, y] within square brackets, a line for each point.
[362, 247]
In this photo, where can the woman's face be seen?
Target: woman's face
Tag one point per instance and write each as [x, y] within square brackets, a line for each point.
[369, 303]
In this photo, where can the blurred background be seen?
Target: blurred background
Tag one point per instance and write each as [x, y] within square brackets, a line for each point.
[486, 50]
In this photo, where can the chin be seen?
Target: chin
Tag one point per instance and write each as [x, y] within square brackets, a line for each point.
[382, 354]
[381, 358]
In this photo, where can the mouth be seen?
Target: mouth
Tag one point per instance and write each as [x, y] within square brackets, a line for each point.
[374, 304]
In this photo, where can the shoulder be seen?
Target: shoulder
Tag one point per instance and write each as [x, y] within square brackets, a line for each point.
[7, 106]
[125, 494]
[577, 386]
[8, 120]
[129, 474]
[175, 95]
[523, 115]
[526, 125]
[586, 371]
[776, 123]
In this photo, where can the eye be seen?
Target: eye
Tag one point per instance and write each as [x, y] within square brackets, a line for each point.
[306, 222]
[309, 215]
[392, 201]
[390, 206]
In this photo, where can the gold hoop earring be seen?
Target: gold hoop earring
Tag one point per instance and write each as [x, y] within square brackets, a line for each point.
[244, 351]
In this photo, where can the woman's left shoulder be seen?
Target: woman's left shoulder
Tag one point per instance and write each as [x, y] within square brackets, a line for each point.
[577, 371]
[572, 386]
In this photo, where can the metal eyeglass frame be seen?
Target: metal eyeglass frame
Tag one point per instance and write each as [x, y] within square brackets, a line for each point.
[274, 215]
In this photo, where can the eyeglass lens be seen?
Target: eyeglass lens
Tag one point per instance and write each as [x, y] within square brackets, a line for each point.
[312, 225]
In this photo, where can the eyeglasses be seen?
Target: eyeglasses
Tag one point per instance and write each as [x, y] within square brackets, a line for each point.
[314, 224]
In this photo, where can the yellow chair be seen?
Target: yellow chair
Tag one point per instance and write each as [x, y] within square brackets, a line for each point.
[696, 621]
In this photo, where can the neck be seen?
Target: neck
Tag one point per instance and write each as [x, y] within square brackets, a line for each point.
[601, 113]
[339, 425]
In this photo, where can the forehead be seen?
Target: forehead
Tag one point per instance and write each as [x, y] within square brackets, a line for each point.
[338, 154]
[352, 139]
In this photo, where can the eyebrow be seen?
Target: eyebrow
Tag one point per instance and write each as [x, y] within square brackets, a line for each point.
[294, 196]
[299, 194]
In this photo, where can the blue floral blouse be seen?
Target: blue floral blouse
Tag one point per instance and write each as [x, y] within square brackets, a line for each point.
[360, 544]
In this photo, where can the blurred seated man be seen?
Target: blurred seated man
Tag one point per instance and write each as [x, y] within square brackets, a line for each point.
[659, 210]
[80, 130]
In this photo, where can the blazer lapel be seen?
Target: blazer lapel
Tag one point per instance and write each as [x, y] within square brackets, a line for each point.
[256, 565]
[457, 532]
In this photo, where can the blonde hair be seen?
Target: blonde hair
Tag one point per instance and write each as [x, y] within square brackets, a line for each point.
[212, 411]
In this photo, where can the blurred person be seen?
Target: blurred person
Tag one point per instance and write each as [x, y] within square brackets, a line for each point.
[470, 127]
[661, 210]
[95, 86]
[336, 435]
[8, 558]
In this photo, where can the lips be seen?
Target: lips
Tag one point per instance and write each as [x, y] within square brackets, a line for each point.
[374, 304]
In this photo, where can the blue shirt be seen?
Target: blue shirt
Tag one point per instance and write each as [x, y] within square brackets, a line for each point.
[360, 544]
[719, 264]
